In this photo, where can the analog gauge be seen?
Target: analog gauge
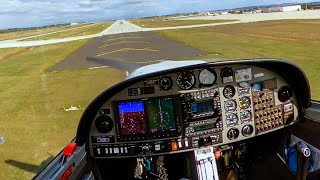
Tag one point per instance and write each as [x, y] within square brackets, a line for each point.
[244, 102]
[230, 105]
[207, 77]
[186, 80]
[244, 84]
[165, 83]
[285, 93]
[257, 86]
[245, 116]
[247, 130]
[104, 124]
[231, 120]
[226, 75]
[229, 91]
[243, 90]
[233, 133]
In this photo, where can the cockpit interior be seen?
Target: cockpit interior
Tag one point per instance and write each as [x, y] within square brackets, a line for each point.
[239, 117]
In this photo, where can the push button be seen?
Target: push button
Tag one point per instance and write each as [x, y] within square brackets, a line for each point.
[174, 146]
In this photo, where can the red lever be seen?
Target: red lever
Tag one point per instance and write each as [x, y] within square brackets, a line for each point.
[70, 149]
[66, 174]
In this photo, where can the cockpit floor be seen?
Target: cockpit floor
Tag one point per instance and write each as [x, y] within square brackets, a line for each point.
[269, 167]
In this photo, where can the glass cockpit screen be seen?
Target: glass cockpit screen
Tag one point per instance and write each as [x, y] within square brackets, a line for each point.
[202, 107]
[161, 115]
[132, 118]
[145, 117]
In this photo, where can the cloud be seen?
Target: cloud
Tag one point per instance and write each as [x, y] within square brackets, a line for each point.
[27, 13]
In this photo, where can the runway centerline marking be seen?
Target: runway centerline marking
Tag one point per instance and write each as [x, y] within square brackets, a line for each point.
[99, 67]
[123, 42]
[130, 37]
[126, 49]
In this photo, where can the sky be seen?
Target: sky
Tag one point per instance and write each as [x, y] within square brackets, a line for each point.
[31, 13]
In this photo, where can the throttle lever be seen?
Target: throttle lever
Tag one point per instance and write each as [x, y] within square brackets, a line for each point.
[303, 156]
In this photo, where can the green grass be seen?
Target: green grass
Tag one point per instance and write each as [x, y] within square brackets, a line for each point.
[33, 121]
[77, 32]
[291, 40]
[26, 33]
[154, 23]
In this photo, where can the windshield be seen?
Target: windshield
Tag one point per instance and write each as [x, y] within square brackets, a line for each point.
[47, 78]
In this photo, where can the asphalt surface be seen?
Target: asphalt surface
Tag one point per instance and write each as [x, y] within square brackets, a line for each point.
[139, 47]
[121, 26]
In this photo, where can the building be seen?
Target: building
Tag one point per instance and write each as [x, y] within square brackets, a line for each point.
[282, 8]
[315, 5]
[72, 24]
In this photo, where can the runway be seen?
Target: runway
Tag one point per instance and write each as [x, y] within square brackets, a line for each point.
[138, 47]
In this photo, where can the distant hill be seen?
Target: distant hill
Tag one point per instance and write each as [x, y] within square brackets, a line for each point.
[32, 28]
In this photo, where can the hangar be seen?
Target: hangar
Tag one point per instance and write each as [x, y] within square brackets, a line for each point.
[288, 8]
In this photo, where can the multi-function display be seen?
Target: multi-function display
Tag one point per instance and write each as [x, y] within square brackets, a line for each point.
[161, 115]
[200, 107]
[144, 118]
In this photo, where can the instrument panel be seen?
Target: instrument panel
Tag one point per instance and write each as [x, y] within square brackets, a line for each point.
[188, 109]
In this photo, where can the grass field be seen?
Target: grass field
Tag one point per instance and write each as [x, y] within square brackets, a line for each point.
[33, 121]
[153, 23]
[26, 33]
[294, 40]
[77, 32]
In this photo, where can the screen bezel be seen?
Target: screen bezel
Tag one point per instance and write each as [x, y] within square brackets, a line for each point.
[148, 135]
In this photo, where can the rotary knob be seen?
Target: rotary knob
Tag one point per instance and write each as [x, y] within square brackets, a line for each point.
[145, 149]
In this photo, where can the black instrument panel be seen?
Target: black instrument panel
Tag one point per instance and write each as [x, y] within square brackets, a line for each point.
[187, 109]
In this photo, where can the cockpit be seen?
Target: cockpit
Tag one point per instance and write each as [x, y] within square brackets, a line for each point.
[237, 112]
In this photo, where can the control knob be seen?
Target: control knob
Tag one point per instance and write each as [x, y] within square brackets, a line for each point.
[145, 149]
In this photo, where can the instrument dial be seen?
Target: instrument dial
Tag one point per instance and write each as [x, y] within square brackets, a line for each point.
[245, 116]
[257, 86]
[186, 80]
[230, 105]
[231, 120]
[226, 75]
[104, 124]
[233, 133]
[229, 91]
[247, 130]
[285, 93]
[243, 90]
[165, 83]
[244, 102]
[207, 77]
